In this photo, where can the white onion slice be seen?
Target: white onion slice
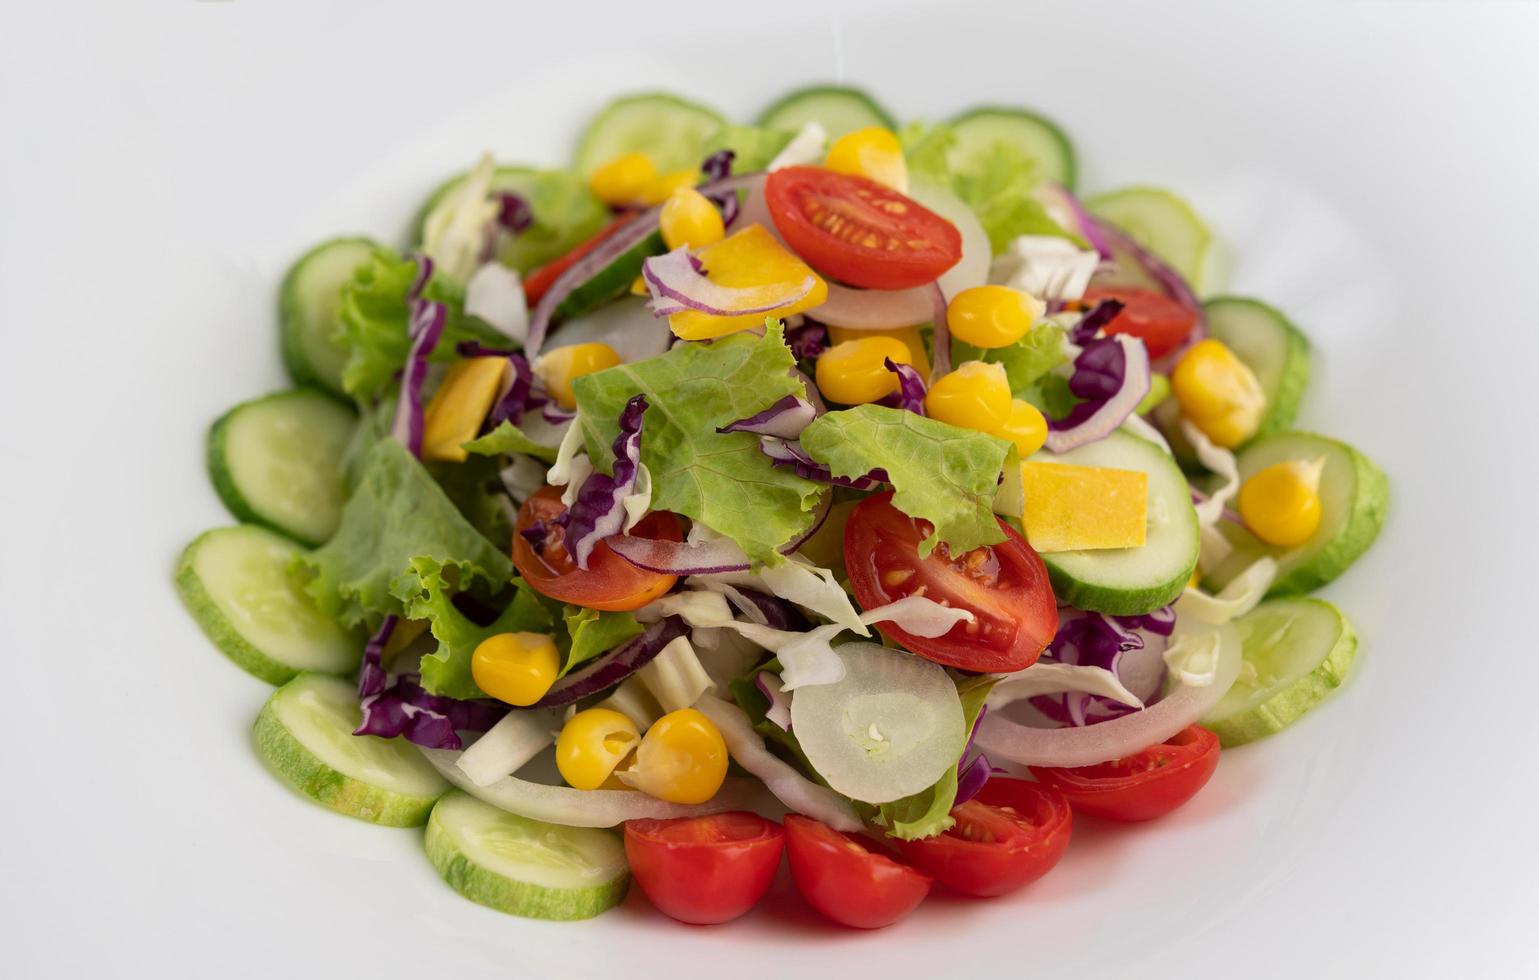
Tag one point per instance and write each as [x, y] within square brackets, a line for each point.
[1236, 599]
[625, 325]
[1055, 678]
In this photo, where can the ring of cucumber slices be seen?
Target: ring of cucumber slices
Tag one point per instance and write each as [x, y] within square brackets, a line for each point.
[670, 130]
[308, 302]
[978, 130]
[1271, 346]
[839, 109]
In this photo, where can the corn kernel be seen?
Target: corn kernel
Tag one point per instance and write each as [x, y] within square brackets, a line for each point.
[626, 179]
[874, 153]
[560, 367]
[662, 187]
[1281, 504]
[992, 316]
[682, 759]
[855, 372]
[974, 396]
[1218, 393]
[689, 220]
[592, 744]
[1025, 427]
[517, 668]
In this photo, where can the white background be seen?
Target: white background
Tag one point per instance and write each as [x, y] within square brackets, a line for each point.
[1373, 166]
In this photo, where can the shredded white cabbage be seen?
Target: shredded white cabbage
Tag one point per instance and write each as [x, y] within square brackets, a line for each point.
[581, 469]
[806, 147]
[1220, 461]
[675, 676]
[454, 234]
[639, 500]
[697, 608]
[1213, 548]
[1236, 599]
[508, 745]
[1055, 678]
[1047, 267]
[632, 699]
[571, 447]
[803, 583]
[919, 615]
[1137, 425]
[496, 295]
[1192, 657]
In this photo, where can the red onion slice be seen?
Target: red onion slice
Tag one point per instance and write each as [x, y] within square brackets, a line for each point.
[677, 283]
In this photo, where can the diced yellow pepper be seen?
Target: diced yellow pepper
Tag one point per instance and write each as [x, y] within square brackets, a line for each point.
[908, 335]
[1084, 508]
[689, 219]
[749, 259]
[459, 406]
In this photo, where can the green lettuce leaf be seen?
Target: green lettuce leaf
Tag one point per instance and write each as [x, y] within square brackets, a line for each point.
[998, 188]
[719, 479]
[928, 812]
[1026, 361]
[507, 439]
[476, 491]
[940, 473]
[594, 632]
[754, 146]
[398, 513]
[927, 150]
[426, 592]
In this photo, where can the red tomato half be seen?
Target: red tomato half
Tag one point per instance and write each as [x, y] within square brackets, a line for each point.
[858, 231]
[541, 279]
[845, 881]
[1004, 585]
[1156, 319]
[610, 582]
[704, 870]
[1009, 835]
[1143, 786]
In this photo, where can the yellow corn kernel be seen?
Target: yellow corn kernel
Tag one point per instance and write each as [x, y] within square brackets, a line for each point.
[660, 188]
[1281, 504]
[682, 759]
[688, 219]
[592, 744]
[918, 356]
[518, 668]
[751, 258]
[459, 406]
[1025, 427]
[624, 180]
[560, 367]
[992, 316]
[1218, 393]
[855, 372]
[873, 153]
[974, 396]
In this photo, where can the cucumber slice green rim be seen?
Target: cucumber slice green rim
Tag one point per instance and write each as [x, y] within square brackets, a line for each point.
[1270, 345]
[979, 128]
[305, 735]
[525, 867]
[236, 583]
[307, 311]
[1166, 225]
[1297, 650]
[670, 130]
[610, 282]
[1131, 581]
[839, 109]
[1354, 499]
[274, 462]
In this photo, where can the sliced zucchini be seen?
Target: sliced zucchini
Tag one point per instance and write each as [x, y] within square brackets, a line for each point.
[1269, 345]
[566, 213]
[307, 311]
[839, 109]
[522, 866]
[1131, 581]
[1167, 226]
[1297, 650]
[276, 461]
[1354, 497]
[670, 130]
[305, 735]
[978, 130]
[236, 582]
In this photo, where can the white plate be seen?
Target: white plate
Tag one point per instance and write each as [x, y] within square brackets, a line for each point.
[1372, 165]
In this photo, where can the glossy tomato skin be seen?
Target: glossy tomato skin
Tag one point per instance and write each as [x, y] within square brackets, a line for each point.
[846, 881]
[858, 231]
[1159, 321]
[1004, 585]
[1009, 835]
[610, 582]
[1143, 786]
[704, 870]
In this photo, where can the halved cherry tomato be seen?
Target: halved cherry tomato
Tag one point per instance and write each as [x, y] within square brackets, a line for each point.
[1009, 835]
[858, 231]
[541, 279]
[610, 582]
[1156, 319]
[1005, 586]
[704, 870]
[847, 882]
[1143, 786]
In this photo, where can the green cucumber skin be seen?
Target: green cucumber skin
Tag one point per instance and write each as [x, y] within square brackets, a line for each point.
[296, 765]
[1070, 177]
[587, 160]
[1115, 602]
[1293, 702]
[612, 282]
[1293, 381]
[879, 116]
[218, 628]
[495, 891]
[1370, 506]
[291, 320]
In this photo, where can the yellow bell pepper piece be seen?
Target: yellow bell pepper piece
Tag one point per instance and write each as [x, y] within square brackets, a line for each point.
[459, 406]
[1084, 508]
[749, 259]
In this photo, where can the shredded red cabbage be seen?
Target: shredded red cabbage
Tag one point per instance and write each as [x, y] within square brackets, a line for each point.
[911, 388]
[1114, 375]
[789, 452]
[397, 704]
[971, 777]
[1091, 323]
[1090, 639]
[425, 328]
[606, 671]
[599, 510]
[808, 340]
[785, 419]
[940, 340]
[718, 166]
[513, 212]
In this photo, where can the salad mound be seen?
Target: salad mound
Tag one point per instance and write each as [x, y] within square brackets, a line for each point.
[821, 487]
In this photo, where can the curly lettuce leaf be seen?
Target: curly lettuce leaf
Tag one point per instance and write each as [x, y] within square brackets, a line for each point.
[720, 479]
[998, 187]
[927, 150]
[940, 473]
[928, 812]
[507, 439]
[1026, 362]
[397, 514]
[593, 632]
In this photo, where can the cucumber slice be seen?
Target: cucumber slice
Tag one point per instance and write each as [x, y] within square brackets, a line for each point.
[1131, 581]
[307, 311]
[275, 461]
[236, 582]
[611, 282]
[522, 866]
[1167, 226]
[1354, 497]
[977, 130]
[665, 127]
[566, 213]
[305, 735]
[839, 109]
[1269, 345]
[1296, 652]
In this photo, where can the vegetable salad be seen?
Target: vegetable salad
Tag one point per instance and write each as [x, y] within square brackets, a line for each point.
[821, 487]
